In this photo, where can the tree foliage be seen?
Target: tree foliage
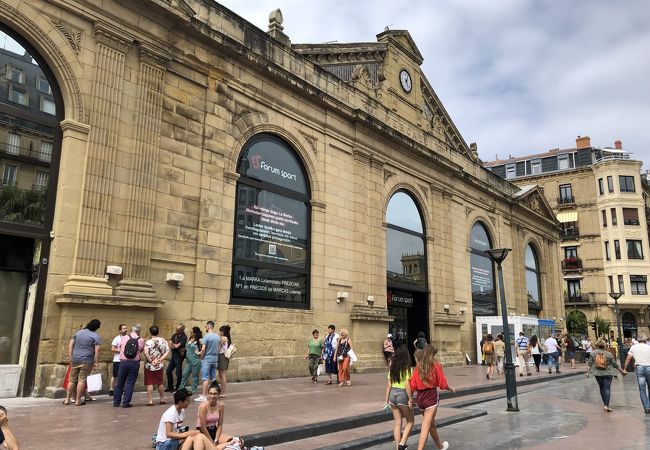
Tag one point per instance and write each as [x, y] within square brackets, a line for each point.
[22, 206]
[603, 326]
[576, 322]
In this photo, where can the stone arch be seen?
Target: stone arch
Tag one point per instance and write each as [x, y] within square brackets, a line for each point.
[295, 143]
[53, 49]
[487, 224]
[403, 184]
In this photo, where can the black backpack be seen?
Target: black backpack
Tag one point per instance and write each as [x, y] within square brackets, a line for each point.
[132, 348]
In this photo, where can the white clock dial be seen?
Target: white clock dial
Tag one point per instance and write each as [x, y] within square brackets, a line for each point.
[405, 81]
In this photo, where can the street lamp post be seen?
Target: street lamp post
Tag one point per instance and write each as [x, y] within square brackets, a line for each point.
[497, 255]
[616, 296]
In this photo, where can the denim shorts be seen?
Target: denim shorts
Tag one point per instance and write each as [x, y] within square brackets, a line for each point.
[398, 397]
[208, 370]
[169, 444]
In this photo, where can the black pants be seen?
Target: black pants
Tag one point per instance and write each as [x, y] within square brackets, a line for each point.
[605, 383]
[175, 363]
[538, 359]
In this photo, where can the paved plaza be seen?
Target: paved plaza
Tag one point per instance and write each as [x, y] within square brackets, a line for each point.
[296, 414]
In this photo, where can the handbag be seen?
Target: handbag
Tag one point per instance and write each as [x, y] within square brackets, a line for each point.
[230, 351]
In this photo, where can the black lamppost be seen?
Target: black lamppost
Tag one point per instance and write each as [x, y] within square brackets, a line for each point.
[616, 296]
[497, 255]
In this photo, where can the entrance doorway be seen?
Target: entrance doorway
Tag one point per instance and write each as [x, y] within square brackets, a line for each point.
[629, 325]
[16, 256]
[410, 310]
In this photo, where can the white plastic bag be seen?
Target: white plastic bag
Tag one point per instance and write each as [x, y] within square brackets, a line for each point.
[321, 369]
[94, 382]
[353, 356]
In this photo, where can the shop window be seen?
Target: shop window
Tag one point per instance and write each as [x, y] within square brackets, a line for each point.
[626, 183]
[630, 216]
[482, 272]
[271, 243]
[533, 282]
[634, 249]
[638, 285]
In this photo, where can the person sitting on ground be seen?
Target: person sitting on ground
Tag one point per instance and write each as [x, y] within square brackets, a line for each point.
[7, 437]
[170, 436]
[210, 417]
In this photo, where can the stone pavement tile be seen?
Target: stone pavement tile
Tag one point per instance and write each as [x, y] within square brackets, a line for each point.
[251, 407]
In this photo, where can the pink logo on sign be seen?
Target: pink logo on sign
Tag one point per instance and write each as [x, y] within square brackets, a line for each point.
[255, 161]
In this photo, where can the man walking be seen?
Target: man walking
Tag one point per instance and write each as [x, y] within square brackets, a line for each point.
[178, 341]
[208, 354]
[641, 354]
[115, 348]
[523, 354]
[131, 346]
[551, 350]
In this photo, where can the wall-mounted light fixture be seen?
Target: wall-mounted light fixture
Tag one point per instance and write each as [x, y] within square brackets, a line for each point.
[342, 296]
[370, 300]
[175, 278]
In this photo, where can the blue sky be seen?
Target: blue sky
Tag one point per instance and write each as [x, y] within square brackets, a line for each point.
[516, 76]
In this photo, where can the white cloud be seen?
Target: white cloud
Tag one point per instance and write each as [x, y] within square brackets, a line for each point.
[517, 77]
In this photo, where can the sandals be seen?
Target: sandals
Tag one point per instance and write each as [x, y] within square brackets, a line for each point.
[163, 402]
[329, 382]
[81, 403]
[66, 403]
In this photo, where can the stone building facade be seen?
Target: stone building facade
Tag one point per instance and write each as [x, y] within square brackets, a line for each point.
[283, 182]
[600, 200]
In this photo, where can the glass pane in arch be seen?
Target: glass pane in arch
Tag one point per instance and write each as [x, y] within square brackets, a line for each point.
[268, 159]
[28, 130]
[531, 258]
[484, 301]
[403, 212]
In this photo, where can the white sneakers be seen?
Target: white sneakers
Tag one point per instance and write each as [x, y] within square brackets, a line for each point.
[200, 398]
[445, 445]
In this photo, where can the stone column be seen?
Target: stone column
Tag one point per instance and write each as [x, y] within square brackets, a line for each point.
[91, 254]
[140, 219]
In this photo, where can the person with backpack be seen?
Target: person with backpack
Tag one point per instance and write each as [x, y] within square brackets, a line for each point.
[130, 348]
[602, 365]
[420, 341]
[490, 356]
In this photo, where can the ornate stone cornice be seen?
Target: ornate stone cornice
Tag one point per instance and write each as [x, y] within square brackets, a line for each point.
[110, 37]
[361, 156]
[70, 32]
[154, 56]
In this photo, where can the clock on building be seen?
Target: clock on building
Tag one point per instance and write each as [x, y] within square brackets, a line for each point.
[405, 80]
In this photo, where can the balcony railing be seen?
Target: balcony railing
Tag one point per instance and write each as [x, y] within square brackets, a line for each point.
[566, 200]
[569, 264]
[25, 152]
[569, 233]
[578, 298]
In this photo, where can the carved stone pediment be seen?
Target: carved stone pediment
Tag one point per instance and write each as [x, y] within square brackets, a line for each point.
[532, 198]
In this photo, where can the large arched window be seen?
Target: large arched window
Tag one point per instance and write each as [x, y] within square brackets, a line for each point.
[484, 301]
[533, 280]
[406, 268]
[271, 242]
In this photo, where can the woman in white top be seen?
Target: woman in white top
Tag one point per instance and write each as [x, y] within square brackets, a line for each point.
[536, 351]
[226, 341]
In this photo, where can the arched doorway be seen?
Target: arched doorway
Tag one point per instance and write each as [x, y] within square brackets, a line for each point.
[406, 268]
[31, 109]
[628, 322]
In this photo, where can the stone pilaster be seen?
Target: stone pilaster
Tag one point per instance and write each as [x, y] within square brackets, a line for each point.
[140, 219]
[91, 255]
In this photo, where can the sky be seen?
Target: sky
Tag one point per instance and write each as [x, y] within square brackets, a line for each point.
[516, 76]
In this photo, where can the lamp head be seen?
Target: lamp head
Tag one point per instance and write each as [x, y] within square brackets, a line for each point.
[498, 254]
[615, 295]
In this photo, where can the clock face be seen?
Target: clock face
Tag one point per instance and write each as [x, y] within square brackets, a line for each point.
[405, 81]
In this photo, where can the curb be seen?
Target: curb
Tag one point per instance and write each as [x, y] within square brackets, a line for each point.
[382, 438]
[297, 433]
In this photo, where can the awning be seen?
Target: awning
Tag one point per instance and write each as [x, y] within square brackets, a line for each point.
[568, 217]
[573, 277]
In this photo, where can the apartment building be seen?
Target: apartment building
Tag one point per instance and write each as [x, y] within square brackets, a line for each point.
[601, 202]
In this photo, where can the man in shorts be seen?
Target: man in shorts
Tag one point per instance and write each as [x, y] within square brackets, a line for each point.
[7, 438]
[208, 354]
[83, 351]
[115, 348]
